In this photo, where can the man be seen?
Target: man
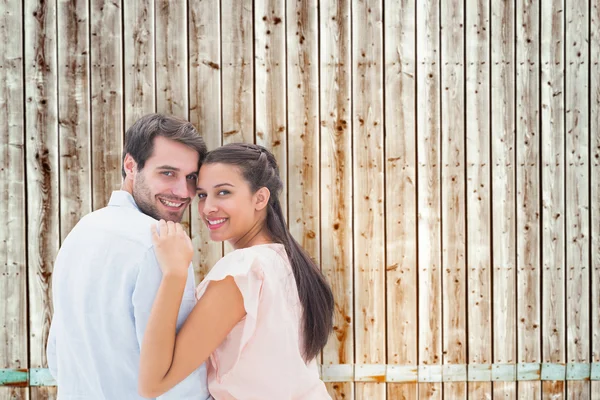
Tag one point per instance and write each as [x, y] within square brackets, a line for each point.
[106, 274]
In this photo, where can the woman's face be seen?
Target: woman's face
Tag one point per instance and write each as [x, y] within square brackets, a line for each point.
[226, 203]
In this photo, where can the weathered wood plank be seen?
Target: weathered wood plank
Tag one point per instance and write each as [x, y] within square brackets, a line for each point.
[595, 184]
[171, 57]
[528, 191]
[205, 110]
[336, 181]
[303, 123]
[454, 337]
[270, 83]
[553, 202]
[107, 99]
[479, 199]
[237, 27]
[401, 193]
[140, 86]
[502, 40]
[368, 168]
[429, 257]
[41, 117]
[577, 190]
[13, 267]
[73, 113]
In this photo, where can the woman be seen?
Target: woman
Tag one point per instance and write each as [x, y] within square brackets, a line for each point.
[264, 311]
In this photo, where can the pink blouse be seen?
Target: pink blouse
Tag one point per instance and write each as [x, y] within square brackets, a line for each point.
[261, 358]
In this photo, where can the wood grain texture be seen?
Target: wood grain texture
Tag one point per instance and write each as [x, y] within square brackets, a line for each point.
[73, 113]
[528, 191]
[106, 99]
[503, 190]
[270, 84]
[237, 27]
[205, 111]
[429, 256]
[478, 191]
[454, 235]
[577, 235]
[553, 199]
[336, 182]
[401, 191]
[41, 116]
[138, 57]
[368, 177]
[594, 105]
[13, 261]
[303, 124]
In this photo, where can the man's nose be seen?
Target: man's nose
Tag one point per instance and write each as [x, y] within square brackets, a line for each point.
[181, 189]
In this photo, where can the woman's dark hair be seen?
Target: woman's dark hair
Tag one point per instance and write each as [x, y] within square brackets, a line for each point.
[259, 168]
[139, 138]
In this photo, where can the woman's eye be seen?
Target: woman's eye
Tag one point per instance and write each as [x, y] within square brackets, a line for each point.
[201, 196]
[223, 192]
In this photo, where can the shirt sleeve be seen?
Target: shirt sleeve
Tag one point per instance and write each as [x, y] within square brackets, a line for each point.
[146, 287]
[51, 351]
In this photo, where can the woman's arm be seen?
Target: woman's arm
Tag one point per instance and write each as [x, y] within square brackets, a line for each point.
[166, 358]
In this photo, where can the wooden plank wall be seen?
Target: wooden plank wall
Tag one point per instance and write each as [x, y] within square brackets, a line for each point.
[441, 162]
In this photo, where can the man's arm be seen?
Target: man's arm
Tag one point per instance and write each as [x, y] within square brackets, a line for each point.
[146, 288]
[51, 351]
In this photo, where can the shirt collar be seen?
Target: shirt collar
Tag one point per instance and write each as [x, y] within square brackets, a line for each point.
[122, 198]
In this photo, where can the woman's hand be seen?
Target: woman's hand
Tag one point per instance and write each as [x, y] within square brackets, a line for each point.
[173, 248]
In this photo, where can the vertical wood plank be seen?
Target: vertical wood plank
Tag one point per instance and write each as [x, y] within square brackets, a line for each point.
[42, 172]
[171, 64]
[595, 183]
[270, 83]
[13, 267]
[205, 110]
[107, 99]
[138, 29]
[479, 199]
[171, 57]
[401, 194]
[368, 168]
[237, 27]
[503, 124]
[73, 113]
[553, 202]
[429, 257]
[528, 192]
[303, 123]
[454, 338]
[336, 182]
[577, 190]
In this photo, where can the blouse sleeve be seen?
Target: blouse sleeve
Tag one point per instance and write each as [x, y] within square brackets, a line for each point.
[245, 268]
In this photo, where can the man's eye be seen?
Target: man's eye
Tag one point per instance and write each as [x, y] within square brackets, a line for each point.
[192, 177]
[167, 173]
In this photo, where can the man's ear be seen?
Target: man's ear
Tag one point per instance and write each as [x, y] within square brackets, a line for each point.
[129, 165]
[262, 197]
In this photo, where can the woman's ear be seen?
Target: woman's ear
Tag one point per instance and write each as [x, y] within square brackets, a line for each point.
[261, 197]
[129, 165]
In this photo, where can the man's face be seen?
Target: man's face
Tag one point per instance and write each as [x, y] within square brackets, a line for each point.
[165, 186]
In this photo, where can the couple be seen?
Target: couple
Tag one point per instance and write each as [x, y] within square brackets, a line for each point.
[128, 322]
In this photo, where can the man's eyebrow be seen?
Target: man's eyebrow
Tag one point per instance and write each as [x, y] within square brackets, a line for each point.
[168, 167]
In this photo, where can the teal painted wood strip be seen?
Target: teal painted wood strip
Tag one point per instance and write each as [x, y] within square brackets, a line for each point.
[41, 377]
[528, 371]
[13, 377]
[578, 371]
[595, 374]
[554, 372]
[504, 372]
[392, 373]
[479, 372]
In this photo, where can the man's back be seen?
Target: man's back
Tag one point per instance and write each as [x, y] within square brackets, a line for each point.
[104, 282]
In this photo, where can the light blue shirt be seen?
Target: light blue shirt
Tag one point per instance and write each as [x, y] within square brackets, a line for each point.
[104, 282]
